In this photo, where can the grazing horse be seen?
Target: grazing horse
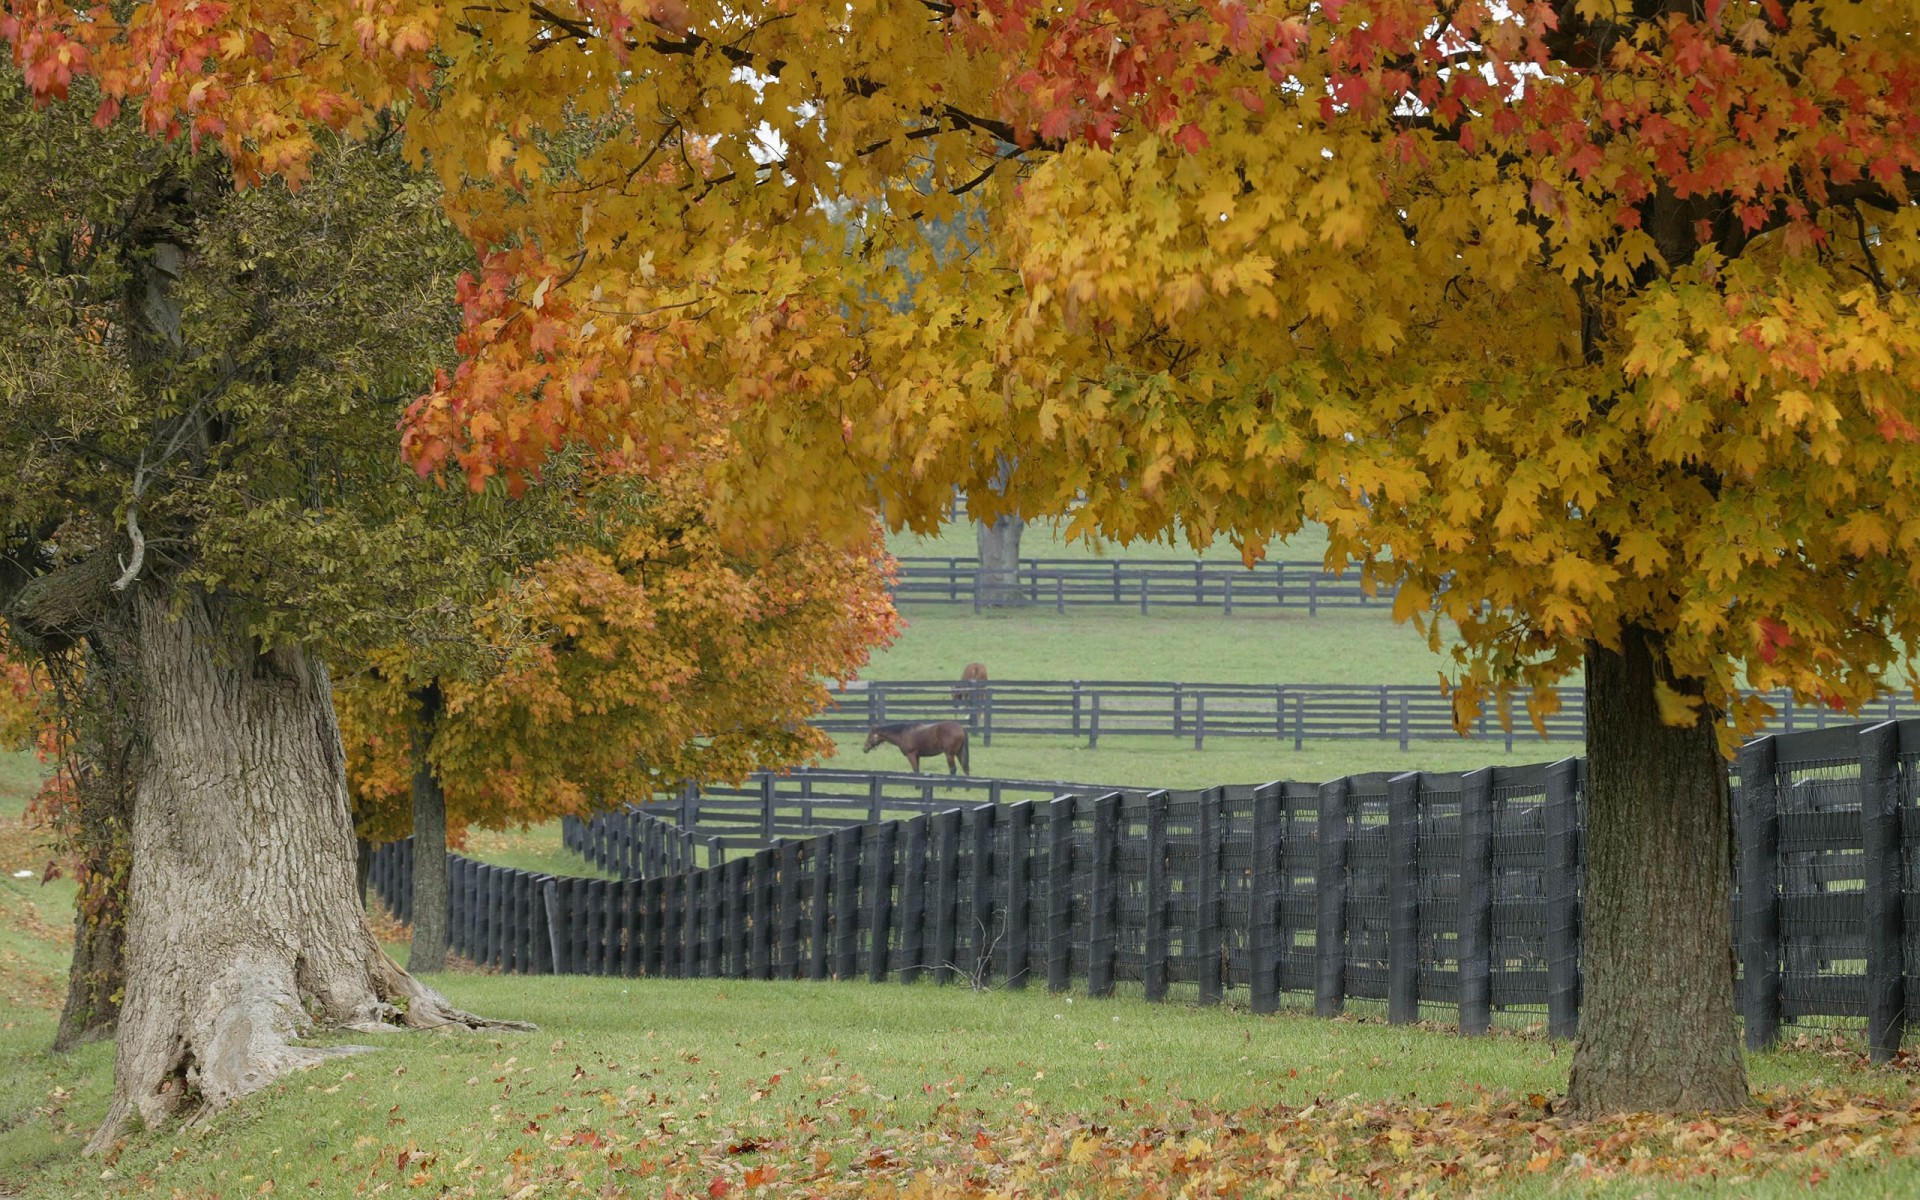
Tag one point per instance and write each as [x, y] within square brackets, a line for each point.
[970, 681]
[915, 741]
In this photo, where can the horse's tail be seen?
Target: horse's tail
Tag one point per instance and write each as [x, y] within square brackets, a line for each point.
[964, 765]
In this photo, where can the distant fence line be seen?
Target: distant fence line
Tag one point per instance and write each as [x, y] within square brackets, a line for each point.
[1420, 889]
[1061, 583]
[1296, 712]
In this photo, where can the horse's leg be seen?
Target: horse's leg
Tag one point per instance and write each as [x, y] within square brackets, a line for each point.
[913, 761]
[953, 765]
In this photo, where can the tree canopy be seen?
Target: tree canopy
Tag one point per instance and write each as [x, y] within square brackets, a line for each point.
[642, 654]
[1589, 323]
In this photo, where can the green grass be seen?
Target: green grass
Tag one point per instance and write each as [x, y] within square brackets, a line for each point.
[1338, 646]
[699, 1059]
[688, 1077]
[536, 848]
[1173, 763]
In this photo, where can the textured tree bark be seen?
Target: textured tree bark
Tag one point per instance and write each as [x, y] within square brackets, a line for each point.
[1658, 1030]
[243, 932]
[999, 553]
[428, 952]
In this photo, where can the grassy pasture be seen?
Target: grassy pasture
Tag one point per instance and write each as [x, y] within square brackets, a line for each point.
[638, 1088]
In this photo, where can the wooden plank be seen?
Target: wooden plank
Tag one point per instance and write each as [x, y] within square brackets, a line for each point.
[1210, 840]
[1060, 815]
[913, 896]
[1403, 899]
[1885, 916]
[880, 901]
[1104, 895]
[1475, 912]
[1018, 875]
[1158, 943]
[946, 895]
[1262, 917]
[1330, 935]
[1760, 892]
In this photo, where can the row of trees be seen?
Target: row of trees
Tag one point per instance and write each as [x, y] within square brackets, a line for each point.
[1588, 324]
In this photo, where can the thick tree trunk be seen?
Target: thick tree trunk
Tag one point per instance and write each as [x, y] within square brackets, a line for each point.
[999, 551]
[429, 950]
[1657, 1021]
[243, 932]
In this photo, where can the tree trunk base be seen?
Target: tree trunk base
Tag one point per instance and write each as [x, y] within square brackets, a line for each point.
[1658, 1031]
[244, 934]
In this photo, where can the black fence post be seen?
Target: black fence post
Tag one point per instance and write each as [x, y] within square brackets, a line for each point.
[787, 962]
[1760, 891]
[769, 803]
[913, 902]
[1883, 902]
[1562, 819]
[653, 897]
[1060, 893]
[556, 924]
[1476, 901]
[946, 893]
[819, 953]
[693, 950]
[880, 901]
[846, 902]
[763, 875]
[1207, 933]
[1262, 910]
[1403, 898]
[1330, 934]
[1018, 873]
[737, 919]
[980, 820]
[1153, 971]
[1103, 909]
[716, 910]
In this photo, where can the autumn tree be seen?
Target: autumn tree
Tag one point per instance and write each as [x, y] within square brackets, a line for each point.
[200, 390]
[1588, 324]
[644, 654]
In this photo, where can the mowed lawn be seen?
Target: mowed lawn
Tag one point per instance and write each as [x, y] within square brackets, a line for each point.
[711, 1088]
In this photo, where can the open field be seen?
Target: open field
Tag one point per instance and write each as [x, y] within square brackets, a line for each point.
[1338, 646]
[708, 1088]
[1174, 763]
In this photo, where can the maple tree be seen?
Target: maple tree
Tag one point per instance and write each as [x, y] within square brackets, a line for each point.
[1588, 324]
[645, 653]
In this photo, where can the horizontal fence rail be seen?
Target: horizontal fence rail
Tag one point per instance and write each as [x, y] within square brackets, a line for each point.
[1429, 893]
[1285, 712]
[1146, 584]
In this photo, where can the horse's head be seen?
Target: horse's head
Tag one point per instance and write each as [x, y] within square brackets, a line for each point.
[873, 739]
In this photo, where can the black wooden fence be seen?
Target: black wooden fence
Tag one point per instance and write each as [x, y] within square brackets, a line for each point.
[1145, 583]
[1296, 712]
[1435, 893]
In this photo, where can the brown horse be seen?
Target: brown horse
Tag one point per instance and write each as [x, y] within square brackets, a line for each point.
[970, 681]
[915, 741]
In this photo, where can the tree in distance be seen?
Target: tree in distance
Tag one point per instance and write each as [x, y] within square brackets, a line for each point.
[644, 654]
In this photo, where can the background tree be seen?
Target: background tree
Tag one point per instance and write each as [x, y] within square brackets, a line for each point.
[1590, 324]
[644, 654]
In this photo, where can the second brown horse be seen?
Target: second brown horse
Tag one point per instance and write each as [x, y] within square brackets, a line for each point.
[918, 741]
